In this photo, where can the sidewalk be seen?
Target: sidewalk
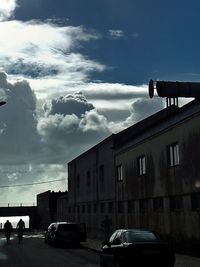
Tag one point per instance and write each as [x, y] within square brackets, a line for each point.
[181, 260]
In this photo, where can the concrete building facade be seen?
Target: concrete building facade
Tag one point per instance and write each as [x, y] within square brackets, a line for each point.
[91, 183]
[151, 176]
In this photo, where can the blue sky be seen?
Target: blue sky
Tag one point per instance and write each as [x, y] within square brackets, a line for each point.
[160, 38]
[75, 71]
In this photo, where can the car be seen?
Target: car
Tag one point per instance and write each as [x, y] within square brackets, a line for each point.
[136, 247]
[68, 233]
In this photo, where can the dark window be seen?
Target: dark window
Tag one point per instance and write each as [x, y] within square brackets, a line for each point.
[130, 206]
[143, 205]
[102, 208]
[110, 207]
[88, 208]
[176, 203]
[120, 206]
[88, 178]
[95, 208]
[78, 181]
[78, 209]
[173, 154]
[119, 173]
[83, 208]
[101, 176]
[195, 201]
[158, 204]
[69, 209]
[141, 165]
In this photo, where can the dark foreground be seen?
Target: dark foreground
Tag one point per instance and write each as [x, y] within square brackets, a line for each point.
[34, 252]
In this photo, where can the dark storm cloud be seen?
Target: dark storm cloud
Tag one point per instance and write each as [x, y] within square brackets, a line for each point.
[18, 138]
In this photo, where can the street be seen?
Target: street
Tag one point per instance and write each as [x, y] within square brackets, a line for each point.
[33, 252]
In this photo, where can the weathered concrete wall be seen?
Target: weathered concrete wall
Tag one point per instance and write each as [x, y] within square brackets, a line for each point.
[89, 199]
[161, 180]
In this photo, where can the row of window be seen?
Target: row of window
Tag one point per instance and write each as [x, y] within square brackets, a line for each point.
[173, 159]
[144, 205]
[88, 177]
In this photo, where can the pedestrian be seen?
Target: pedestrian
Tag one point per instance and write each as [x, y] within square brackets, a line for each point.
[106, 225]
[20, 230]
[7, 230]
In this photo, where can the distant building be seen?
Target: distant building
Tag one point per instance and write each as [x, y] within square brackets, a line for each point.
[145, 176]
[91, 186]
[47, 207]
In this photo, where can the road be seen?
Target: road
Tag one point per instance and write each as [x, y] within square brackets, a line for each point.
[33, 252]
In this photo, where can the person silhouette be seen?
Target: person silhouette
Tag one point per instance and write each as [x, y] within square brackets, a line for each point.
[7, 230]
[20, 230]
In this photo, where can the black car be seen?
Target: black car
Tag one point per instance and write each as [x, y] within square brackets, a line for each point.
[70, 233]
[136, 247]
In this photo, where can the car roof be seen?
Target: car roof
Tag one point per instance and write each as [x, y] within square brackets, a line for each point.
[136, 230]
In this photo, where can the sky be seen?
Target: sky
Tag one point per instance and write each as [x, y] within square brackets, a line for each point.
[73, 72]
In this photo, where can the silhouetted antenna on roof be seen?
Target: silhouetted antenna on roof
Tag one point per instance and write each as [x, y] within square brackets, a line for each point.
[173, 90]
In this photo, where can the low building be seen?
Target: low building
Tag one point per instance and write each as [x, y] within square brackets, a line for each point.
[47, 207]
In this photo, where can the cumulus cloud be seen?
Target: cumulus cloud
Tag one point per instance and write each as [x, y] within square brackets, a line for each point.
[71, 122]
[142, 108]
[7, 8]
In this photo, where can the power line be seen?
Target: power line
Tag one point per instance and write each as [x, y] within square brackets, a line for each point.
[17, 185]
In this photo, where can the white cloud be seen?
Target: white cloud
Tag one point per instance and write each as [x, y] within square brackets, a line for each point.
[40, 51]
[7, 8]
[116, 34]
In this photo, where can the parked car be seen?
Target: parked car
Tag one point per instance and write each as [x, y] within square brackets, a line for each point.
[136, 247]
[70, 233]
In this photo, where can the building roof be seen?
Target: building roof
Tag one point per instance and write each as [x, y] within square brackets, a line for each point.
[154, 120]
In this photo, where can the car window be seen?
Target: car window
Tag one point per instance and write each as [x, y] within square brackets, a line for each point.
[68, 227]
[137, 236]
[112, 237]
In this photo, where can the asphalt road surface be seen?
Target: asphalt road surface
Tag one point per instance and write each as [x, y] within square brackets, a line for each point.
[33, 252]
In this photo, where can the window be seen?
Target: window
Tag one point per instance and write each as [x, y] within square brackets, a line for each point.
[88, 178]
[88, 208]
[120, 206]
[158, 204]
[110, 207]
[173, 154]
[83, 208]
[176, 203]
[102, 208]
[143, 205]
[78, 181]
[131, 206]
[101, 176]
[95, 208]
[141, 165]
[195, 201]
[119, 173]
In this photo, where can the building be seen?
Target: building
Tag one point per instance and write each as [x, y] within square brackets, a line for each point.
[91, 183]
[147, 176]
[158, 173]
[47, 207]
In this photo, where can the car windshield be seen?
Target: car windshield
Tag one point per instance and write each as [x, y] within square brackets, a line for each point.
[140, 236]
[67, 227]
